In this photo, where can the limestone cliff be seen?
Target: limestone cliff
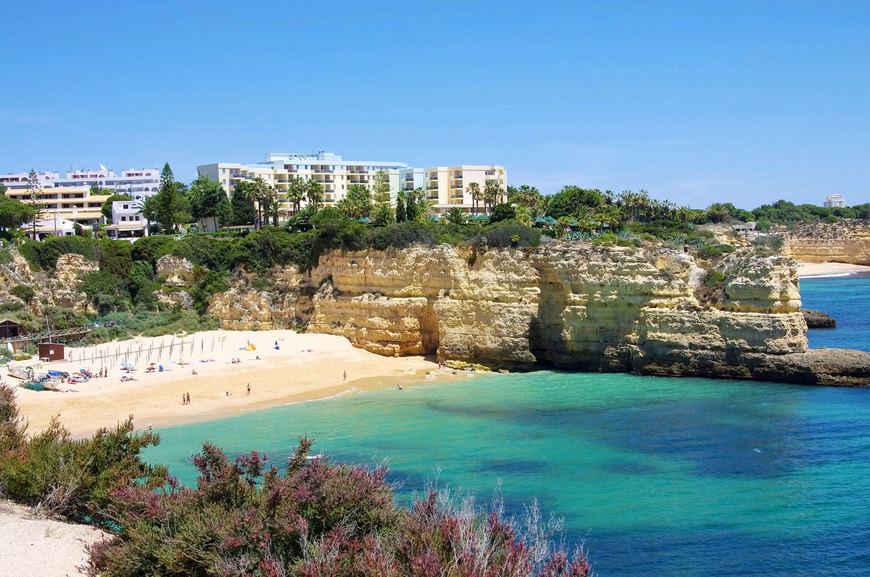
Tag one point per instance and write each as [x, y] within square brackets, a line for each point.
[279, 300]
[571, 305]
[822, 242]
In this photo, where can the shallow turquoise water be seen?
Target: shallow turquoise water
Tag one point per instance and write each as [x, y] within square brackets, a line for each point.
[654, 475]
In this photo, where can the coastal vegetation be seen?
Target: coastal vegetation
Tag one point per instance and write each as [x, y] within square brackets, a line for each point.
[126, 290]
[247, 516]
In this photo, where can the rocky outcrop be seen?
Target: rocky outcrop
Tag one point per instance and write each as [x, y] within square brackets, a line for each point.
[569, 305]
[177, 270]
[279, 299]
[824, 242]
[174, 298]
[818, 319]
[61, 289]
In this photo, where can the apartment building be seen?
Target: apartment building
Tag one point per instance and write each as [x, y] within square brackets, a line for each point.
[447, 186]
[138, 183]
[444, 186]
[74, 203]
[331, 170]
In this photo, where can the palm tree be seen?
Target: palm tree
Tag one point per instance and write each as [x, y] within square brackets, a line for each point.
[526, 196]
[259, 194]
[718, 212]
[492, 194]
[314, 192]
[456, 215]
[149, 211]
[473, 190]
[296, 192]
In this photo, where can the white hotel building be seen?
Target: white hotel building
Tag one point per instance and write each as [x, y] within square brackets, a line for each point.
[70, 198]
[444, 185]
[138, 183]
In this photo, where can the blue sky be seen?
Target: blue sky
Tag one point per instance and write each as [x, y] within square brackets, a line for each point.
[695, 101]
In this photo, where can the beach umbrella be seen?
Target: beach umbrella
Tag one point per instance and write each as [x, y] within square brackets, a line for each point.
[127, 366]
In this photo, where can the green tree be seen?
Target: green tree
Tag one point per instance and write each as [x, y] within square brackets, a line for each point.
[107, 206]
[167, 200]
[718, 212]
[148, 208]
[455, 215]
[205, 197]
[242, 204]
[381, 187]
[263, 195]
[401, 212]
[473, 190]
[382, 214]
[502, 211]
[34, 188]
[525, 195]
[573, 201]
[492, 194]
[314, 192]
[14, 213]
[357, 203]
[296, 192]
[2, 189]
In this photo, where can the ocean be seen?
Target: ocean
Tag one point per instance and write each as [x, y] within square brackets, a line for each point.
[651, 475]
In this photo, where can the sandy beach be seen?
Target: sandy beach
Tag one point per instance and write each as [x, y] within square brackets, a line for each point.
[815, 269]
[281, 367]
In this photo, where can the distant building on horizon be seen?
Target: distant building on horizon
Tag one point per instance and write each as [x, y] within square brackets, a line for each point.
[834, 201]
[445, 186]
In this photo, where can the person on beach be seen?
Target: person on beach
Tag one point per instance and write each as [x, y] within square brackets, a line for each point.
[345, 375]
[249, 389]
[399, 387]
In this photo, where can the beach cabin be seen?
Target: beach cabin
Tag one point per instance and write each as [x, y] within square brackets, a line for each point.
[51, 351]
[9, 329]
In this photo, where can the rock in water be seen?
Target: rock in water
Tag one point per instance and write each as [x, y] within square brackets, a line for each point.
[818, 319]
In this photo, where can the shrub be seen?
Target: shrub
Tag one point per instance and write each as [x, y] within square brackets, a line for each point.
[74, 478]
[315, 518]
[714, 250]
[209, 252]
[502, 234]
[23, 291]
[151, 248]
[401, 235]
[45, 254]
[606, 239]
[768, 244]
[502, 212]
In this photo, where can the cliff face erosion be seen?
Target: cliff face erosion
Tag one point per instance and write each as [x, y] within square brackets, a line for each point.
[647, 310]
[823, 242]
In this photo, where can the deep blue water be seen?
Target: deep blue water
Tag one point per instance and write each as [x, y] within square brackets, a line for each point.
[653, 475]
[847, 299]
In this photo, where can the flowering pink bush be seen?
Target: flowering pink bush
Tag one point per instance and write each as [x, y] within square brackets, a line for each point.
[314, 519]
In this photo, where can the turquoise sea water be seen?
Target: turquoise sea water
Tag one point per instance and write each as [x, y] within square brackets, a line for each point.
[847, 299]
[654, 475]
